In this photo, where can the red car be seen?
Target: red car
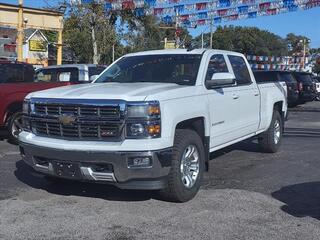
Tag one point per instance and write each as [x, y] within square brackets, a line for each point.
[16, 81]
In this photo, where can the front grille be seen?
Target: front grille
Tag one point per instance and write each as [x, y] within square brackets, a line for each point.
[102, 111]
[89, 122]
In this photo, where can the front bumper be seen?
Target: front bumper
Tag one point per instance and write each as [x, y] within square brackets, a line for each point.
[293, 98]
[307, 96]
[114, 166]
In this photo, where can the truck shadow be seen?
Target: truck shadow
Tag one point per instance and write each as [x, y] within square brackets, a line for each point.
[27, 175]
[301, 200]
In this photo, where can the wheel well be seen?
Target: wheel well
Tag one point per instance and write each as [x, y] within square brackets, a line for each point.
[278, 107]
[197, 125]
[12, 108]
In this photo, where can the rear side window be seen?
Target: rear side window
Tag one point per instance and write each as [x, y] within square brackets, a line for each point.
[57, 75]
[240, 70]
[28, 73]
[217, 64]
[287, 77]
[95, 70]
[262, 77]
[16, 73]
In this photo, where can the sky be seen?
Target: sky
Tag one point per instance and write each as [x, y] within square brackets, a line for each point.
[305, 23]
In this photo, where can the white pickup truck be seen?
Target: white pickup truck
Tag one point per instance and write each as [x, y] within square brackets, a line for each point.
[151, 119]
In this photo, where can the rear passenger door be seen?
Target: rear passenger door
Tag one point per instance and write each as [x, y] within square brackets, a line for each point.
[247, 97]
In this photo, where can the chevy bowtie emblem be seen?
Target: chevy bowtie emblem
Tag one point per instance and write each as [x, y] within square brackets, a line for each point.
[66, 119]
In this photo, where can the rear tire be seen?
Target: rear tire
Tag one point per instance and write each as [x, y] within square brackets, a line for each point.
[271, 139]
[188, 164]
[15, 127]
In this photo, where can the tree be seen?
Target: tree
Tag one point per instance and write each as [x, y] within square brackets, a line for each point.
[90, 33]
[247, 40]
[295, 43]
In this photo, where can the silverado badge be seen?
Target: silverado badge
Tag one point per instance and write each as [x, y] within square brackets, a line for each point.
[66, 119]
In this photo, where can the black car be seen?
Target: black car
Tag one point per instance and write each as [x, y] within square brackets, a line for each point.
[281, 76]
[316, 81]
[306, 87]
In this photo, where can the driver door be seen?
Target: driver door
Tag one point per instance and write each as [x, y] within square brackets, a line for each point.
[223, 104]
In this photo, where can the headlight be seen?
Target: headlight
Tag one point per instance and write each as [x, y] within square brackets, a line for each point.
[25, 118]
[143, 110]
[144, 120]
[26, 107]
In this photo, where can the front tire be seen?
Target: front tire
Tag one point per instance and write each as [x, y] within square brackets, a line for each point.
[15, 127]
[270, 140]
[188, 164]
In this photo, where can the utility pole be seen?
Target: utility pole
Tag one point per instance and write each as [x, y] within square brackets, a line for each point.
[112, 52]
[202, 43]
[304, 42]
[176, 31]
[211, 31]
[304, 53]
[59, 48]
[20, 37]
[211, 26]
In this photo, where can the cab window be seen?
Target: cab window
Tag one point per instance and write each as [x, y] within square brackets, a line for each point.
[217, 64]
[240, 70]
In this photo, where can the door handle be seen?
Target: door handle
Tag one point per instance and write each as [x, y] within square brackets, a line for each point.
[235, 96]
[256, 94]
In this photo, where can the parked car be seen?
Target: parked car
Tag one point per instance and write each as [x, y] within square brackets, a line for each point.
[151, 120]
[16, 81]
[317, 86]
[306, 87]
[281, 77]
[75, 73]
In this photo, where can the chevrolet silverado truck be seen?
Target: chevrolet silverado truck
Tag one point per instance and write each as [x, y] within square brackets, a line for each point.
[151, 120]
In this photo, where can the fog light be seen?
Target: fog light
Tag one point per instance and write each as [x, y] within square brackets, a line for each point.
[139, 162]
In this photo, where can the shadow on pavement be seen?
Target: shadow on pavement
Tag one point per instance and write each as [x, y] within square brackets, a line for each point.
[27, 175]
[301, 109]
[302, 132]
[249, 145]
[301, 200]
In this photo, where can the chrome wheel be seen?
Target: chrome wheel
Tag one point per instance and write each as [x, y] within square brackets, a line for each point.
[277, 132]
[16, 126]
[190, 166]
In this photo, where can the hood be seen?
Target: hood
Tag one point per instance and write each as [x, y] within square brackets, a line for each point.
[124, 91]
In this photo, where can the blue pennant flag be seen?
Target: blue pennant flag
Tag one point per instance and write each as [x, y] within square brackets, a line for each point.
[224, 3]
[167, 19]
[139, 12]
[217, 20]
[202, 15]
[252, 14]
[243, 9]
[150, 3]
[179, 8]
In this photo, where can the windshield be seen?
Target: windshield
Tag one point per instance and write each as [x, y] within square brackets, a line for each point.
[304, 78]
[287, 77]
[170, 68]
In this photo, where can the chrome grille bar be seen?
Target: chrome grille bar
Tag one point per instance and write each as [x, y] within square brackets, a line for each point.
[92, 122]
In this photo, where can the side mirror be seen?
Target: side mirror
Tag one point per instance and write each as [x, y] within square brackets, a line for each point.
[221, 80]
[93, 77]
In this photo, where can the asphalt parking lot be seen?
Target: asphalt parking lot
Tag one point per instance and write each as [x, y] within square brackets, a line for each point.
[245, 195]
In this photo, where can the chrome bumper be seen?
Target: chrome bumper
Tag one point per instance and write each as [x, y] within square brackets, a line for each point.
[117, 171]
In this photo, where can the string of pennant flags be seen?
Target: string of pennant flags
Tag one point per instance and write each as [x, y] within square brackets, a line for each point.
[191, 14]
[281, 67]
[273, 59]
[276, 63]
